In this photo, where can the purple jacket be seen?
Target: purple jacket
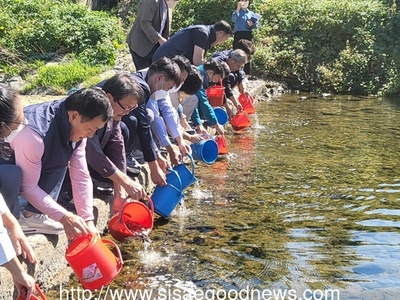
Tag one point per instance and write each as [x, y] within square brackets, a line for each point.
[105, 151]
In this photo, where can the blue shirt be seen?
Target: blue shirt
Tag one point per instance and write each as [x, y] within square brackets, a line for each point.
[241, 19]
[204, 107]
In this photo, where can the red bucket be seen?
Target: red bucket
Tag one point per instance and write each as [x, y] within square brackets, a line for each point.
[215, 95]
[33, 297]
[93, 262]
[247, 103]
[240, 121]
[134, 220]
[222, 148]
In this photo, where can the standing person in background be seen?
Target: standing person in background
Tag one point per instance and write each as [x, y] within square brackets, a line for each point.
[194, 41]
[150, 30]
[245, 21]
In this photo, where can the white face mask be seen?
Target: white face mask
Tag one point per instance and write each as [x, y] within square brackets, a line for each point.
[14, 133]
[159, 94]
[176, 89]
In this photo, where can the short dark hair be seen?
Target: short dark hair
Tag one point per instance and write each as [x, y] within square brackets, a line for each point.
[90, 103]
[123, 85]
[223, 26]
[182, 62]
[9, 100]
[168, 67]
[215, 66]
[193, 82]
[247, 46]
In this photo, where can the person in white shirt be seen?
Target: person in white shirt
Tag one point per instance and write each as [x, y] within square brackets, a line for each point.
[13, 242]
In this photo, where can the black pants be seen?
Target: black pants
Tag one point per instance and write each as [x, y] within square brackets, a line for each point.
[247, 35]
[143, 62]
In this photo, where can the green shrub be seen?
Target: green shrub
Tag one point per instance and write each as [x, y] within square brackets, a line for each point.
[35, 27]
[62, 77]
[341, 46]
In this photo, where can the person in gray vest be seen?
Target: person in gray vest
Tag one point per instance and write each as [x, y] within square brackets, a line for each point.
[105, 151]
[53, 140]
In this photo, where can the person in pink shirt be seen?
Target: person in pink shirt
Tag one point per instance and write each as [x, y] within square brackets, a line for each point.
[50, 140]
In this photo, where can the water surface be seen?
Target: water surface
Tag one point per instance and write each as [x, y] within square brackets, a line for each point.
[306, 199]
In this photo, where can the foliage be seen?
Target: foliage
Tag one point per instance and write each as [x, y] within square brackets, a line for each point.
[189, 12]
[341, 46]
[62, 77]
[39, 29]
[338, 46]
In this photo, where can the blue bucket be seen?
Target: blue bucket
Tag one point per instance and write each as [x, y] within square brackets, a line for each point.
[187, 177]
[166, 198]
[205, 150]
[222, 115]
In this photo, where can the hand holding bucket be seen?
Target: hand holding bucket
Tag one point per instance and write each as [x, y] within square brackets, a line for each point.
[93, 262]
[166, 198]
[134, 220]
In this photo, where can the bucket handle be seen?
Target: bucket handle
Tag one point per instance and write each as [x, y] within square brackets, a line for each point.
[120, 261]
[192, 163]
[179, 180]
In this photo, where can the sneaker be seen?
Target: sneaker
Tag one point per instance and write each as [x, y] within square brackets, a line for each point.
[40, 223]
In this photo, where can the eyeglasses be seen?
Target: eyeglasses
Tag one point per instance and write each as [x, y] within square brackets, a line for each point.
[127, 109]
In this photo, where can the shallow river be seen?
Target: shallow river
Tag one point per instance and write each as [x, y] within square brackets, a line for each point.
[306, 203]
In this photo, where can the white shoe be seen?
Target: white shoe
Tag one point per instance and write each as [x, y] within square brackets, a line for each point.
[40, 223]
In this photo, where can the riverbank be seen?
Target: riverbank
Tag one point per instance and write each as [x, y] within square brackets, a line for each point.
[51, 269]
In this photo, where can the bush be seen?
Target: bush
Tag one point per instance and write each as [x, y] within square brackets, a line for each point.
[33, 27]
[340, 46]
[62, 77]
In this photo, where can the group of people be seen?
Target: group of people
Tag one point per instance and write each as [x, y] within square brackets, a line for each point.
[99, 137]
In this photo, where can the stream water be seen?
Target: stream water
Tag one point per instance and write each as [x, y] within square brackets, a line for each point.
[306, 203]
